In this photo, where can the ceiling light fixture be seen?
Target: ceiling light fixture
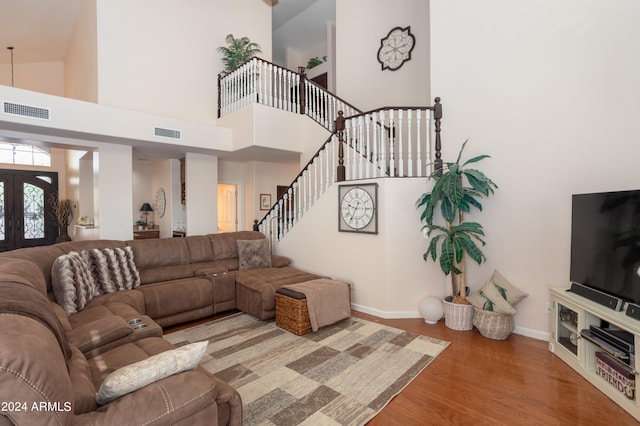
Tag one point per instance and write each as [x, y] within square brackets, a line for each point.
[10, 48]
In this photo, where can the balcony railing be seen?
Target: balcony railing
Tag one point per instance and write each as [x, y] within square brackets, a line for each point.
[389, 141]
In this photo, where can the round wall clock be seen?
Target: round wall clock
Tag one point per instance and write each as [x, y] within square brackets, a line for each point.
[395, 48]
[160, 203]
[357, 208]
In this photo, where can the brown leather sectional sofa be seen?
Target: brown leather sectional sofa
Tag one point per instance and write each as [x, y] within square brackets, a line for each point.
[52, 363]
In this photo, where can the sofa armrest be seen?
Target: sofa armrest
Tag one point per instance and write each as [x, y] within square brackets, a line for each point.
[94, 334]
[166, 401]
[280, 261]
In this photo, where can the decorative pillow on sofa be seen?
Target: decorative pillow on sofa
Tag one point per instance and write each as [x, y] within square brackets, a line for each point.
[142, 373]
[72, 283]
[489, 299]
[113, 269]
[254, 253]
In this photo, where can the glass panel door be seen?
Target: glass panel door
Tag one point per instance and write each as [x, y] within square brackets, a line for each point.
[26, 217]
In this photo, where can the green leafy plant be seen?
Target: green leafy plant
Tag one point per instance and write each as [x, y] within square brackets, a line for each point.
[314, 62]
[237, 52]
[456, 190]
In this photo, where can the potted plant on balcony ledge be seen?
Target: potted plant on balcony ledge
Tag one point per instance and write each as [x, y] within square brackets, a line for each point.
[237, 52]
[455, 191]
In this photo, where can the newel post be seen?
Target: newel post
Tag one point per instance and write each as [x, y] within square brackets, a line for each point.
[437, 115]
[301, 91]
[339, 131]
[256, 226]
[219, 95]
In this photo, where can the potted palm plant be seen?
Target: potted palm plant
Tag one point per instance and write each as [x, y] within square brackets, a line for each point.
[456, 190]
[237, 52]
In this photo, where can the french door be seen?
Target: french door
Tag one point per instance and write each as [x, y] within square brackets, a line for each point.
[26, 215]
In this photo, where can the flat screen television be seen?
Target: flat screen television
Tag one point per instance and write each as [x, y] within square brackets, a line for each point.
[605, 243]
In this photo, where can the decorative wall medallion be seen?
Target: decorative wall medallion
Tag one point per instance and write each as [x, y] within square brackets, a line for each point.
[358, 208]
[395, 48]
[160, 202]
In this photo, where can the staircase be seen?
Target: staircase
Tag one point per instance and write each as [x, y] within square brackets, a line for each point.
[386, 142]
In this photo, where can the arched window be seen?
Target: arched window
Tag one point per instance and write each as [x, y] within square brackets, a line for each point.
[16, 153]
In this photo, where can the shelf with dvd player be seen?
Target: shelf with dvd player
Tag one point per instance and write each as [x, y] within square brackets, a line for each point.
[599, 343]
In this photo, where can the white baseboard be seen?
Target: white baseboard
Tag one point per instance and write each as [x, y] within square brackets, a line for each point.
[385, 314]
[527, 332]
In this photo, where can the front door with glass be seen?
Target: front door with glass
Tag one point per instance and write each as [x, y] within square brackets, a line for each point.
[26, 217]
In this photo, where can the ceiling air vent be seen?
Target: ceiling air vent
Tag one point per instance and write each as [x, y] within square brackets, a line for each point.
[167, 133]
[22, 110]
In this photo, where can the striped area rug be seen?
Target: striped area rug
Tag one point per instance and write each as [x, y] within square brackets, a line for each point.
[342, 374]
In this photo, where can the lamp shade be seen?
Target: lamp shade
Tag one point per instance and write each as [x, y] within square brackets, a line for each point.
[431, 309]
[146, 207]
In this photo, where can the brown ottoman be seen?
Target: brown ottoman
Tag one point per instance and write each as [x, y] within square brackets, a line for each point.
[292, 311]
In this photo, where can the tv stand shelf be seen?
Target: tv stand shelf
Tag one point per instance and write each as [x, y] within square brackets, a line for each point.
[573, 313]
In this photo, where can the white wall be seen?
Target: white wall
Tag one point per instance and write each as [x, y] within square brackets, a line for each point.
[550, 90]
[201, 194]
[115, 184]
[159, 56]
[360, 25]
[386, 270]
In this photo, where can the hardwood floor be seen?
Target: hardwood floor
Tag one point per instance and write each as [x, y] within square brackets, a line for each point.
[480, 381]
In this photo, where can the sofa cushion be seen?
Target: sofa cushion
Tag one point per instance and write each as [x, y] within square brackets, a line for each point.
[224, 245]
[42, 256]
[142, 373]
[254, 254]
[176, 296]
[84, 392]
[73, 285]
[161, 259]
[256, 288]
[33, 370]
[94, 334]
[200, 249]
[22, 271]
[96, 310]
[112, 269]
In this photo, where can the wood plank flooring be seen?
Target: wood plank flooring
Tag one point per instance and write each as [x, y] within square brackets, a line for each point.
[480, 381]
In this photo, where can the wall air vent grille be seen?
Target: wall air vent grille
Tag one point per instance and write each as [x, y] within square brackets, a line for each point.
[167, 133]
[22, 110]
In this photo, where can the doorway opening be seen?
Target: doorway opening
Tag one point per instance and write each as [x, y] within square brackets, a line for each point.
[227, 207]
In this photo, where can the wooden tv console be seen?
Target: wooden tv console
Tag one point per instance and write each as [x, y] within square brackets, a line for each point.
[572, 314]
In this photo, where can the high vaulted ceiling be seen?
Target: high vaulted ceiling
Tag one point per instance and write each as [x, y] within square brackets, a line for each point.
[39, 30]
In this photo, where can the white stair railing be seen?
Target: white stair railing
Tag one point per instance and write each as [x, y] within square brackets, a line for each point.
[390, 141]
[260, 81]
[402, 141]
[393, 141]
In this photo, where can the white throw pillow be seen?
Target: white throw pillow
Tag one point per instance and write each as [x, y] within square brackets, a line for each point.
[72, 283]
[142, 373]
[490, 299]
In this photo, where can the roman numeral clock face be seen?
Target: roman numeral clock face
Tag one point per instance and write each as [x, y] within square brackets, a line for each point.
[358, 208]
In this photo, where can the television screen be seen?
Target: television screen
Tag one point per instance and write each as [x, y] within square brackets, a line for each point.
[605, 242]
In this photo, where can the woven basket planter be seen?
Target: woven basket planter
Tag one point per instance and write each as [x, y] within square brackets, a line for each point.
[493, 325]
[458, 316]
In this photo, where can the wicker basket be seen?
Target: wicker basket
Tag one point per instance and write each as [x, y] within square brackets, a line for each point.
[292, 314]
[458, 316]
[493, 325]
